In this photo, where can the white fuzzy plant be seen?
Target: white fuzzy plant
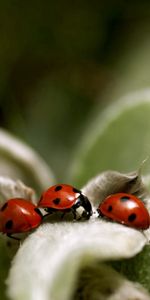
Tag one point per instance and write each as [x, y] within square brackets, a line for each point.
[74, 260]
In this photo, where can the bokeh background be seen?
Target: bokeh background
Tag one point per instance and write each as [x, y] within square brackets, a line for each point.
[61, 62]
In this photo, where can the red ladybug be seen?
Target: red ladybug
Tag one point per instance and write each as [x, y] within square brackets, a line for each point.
[19, 215]
[65, 198]
[125, 209]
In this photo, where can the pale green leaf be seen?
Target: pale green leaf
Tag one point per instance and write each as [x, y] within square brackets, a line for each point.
[8, 247]
[47, 265]
[117, 139]
[57, 260]
[19, 161]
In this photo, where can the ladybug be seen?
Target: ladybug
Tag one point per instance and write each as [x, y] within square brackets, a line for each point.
[126, 209]
[18, 215]
[65, 198]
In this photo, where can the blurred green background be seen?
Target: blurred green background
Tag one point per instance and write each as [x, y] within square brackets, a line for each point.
[62, 62]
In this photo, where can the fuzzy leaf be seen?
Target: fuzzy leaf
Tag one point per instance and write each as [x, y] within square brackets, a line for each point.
[112, 286]
[111, 182]
[10, 189]
[47, 264]
[17, 160]
[118, 139]
[50, 263]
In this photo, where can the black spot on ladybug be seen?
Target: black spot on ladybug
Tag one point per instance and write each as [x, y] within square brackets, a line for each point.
[76, 191]
[124, 198]
[109, 208]
[58, 188]
[4, 206]
[132, 217]
[38, 212]
[57, 201]
[9, 225]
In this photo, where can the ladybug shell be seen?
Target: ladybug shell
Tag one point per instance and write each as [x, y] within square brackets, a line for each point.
[19, 215]
[60, 196]
[126, 209]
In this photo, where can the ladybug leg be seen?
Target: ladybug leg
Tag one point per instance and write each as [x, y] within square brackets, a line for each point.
[64, 213]
[74, 212]
[13, 237]
[100, 214]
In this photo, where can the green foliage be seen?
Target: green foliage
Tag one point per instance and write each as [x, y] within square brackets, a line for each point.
[137, 268]
[63, 66]
[61, 61]
[119, 139]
